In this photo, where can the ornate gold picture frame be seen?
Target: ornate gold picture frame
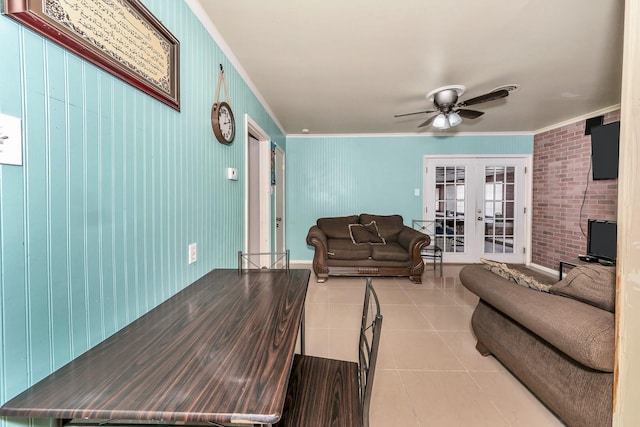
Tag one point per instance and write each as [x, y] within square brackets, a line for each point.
[119, 36]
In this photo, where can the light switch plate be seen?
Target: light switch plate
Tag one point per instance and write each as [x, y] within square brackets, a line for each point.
[232, 174]
[10, 140]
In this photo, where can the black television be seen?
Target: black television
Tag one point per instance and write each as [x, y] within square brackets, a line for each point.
[602, 239]
[605, 149]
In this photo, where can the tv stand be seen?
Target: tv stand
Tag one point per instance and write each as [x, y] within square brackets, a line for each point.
[579, 261]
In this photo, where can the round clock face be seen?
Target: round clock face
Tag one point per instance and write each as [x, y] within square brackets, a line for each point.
[224, 125]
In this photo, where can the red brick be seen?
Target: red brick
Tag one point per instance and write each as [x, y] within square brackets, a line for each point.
[561, 165]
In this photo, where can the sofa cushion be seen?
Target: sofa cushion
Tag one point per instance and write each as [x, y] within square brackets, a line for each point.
[365, 233]
[337, 227]
[392, 251]
[389, 226]
[592, 284]
[347, 250]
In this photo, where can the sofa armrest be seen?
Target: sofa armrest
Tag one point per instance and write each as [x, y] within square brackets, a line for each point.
[581, 331]
[413, 240]
[318, 239]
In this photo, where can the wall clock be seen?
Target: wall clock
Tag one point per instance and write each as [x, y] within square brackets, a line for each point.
[222, 120]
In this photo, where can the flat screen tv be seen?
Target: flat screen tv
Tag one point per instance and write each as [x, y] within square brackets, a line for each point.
[605, 148]
[602, 239]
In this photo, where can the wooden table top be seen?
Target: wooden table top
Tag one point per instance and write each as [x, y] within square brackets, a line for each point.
[220, 350]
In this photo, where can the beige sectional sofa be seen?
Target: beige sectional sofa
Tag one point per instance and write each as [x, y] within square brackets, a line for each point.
[559, 343]
[366, 245]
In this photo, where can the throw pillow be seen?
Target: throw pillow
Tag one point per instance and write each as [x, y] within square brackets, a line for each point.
[365, 233]
[389, 226]
[496, 267]
[528, 281]
[522, 279]
[591, 284]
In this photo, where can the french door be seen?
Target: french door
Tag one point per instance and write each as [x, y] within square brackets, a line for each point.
[478, 205]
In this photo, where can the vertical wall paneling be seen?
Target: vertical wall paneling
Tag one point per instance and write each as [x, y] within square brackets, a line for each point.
[95, 226]
[36, 220]
[341, 175]
[57, 178]
[14, 327]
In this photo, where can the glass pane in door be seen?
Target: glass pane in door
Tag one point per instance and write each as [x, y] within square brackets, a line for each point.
[450, 191]
[499, 209]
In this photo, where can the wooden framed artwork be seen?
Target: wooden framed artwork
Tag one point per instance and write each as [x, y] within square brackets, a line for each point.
[119, 36]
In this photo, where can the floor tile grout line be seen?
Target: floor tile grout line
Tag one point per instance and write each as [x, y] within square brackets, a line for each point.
[486, 393]
[448, 287]
[408, 397]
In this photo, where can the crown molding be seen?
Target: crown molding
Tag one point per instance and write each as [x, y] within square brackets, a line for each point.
[199, 12]
[405, 135]
[578, 119]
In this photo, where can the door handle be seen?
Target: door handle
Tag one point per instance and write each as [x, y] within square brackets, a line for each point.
[480, 218]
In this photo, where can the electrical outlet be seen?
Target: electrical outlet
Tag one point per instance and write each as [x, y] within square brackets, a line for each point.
[193, 253]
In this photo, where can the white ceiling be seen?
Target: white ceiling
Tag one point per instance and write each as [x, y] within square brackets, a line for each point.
[347, 66]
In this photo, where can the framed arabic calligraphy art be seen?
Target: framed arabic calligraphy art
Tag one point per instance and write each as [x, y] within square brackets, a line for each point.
[120, 36]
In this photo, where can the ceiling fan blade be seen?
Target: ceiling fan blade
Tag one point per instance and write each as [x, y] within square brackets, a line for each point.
[417, 112]
[491, 96]
[427, 122]
[470, 114]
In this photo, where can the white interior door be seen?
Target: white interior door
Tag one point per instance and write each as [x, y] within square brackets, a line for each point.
[258, 189]
[479, 207]
[253, 196]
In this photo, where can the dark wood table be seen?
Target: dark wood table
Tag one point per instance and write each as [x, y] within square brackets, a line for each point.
[220, 351]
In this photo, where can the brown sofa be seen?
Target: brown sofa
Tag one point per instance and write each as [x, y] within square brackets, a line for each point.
[560, 343]
[366, 245]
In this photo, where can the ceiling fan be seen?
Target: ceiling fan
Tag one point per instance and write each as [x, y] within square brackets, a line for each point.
[450, 111]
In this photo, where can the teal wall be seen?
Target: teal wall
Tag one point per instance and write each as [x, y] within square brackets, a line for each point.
[333, 176]
[94, 228]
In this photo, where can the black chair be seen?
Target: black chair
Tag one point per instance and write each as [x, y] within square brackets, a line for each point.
[263, 261]
[327, 392]
[434, 250]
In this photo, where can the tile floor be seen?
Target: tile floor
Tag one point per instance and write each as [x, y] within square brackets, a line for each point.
[428, 373]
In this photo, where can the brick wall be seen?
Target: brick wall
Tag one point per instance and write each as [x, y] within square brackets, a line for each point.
[561, 176]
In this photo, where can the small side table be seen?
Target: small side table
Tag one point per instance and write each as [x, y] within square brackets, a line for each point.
[574, 262]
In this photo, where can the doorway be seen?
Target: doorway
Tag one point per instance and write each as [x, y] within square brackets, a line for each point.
[257, 188]
[278, 179]
[479, 207]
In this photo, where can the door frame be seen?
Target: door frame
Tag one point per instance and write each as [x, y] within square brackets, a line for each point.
[280, 188]
[527, 197]
[264, 185]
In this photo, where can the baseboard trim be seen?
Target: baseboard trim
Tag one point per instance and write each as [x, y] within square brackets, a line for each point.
[300, 262]
[544, 269]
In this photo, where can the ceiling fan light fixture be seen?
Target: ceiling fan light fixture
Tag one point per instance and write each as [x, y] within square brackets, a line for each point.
[441, 122]
[450, 110]
[454, 119]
